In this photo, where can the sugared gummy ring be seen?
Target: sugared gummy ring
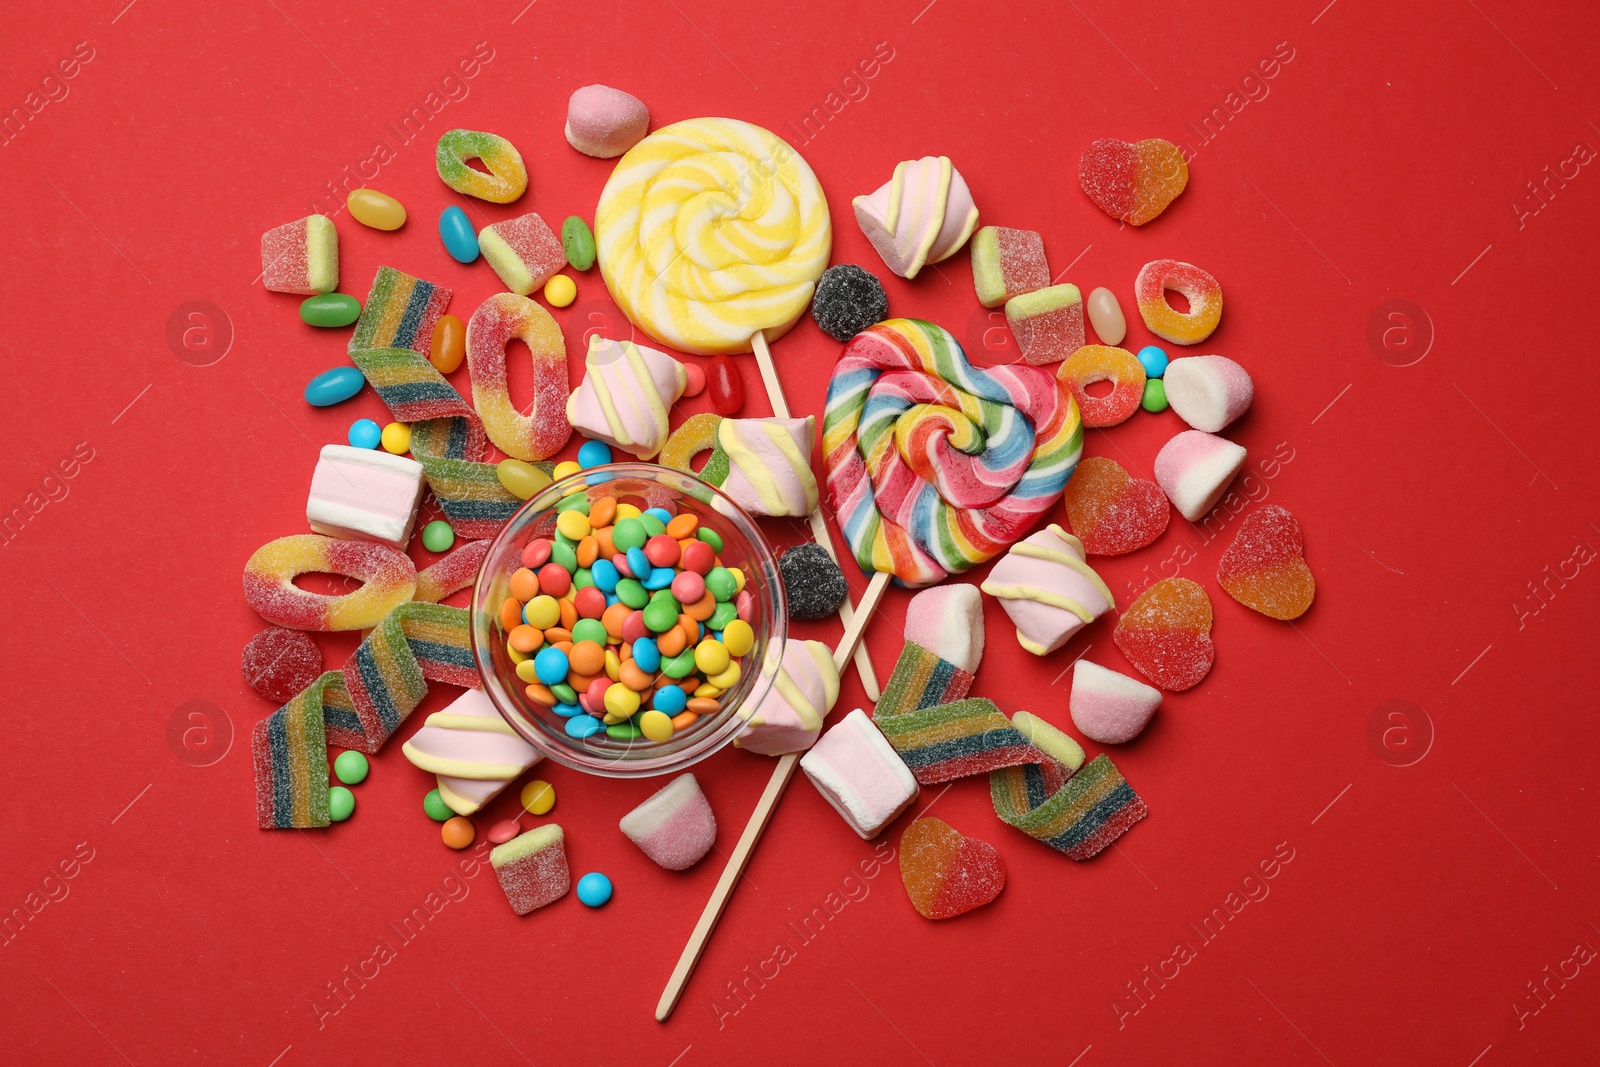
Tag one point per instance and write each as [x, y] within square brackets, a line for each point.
[1100, 363]
[389, 579]
[1201, 289]
[507, 176]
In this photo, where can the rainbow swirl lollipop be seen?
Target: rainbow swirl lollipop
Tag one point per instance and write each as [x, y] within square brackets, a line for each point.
[711, 231]
[934, 465]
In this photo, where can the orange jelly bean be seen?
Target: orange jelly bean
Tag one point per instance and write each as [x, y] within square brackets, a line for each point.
[682, 526]
[602, 511]
[449, 344]
[524, 584]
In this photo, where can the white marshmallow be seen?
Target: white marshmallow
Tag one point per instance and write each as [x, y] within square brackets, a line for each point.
[1195, 469]
[947, 620]
[364, 495]
[860, 774]
[1108, 706]
[1208, 392]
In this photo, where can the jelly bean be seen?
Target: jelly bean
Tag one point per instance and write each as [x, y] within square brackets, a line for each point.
[721, 583]
[538, 797]
[560, 291]
[377, 210]
[435, 807]
[503, 831]
[681, 526]
[679, 666]
[662, 550]
[551, 665]
[688, 587]
[594, 889]
[582, 726]
[710, 537]
[724, 386]
[564, 556]
[554, 579]
[351, 768]
[1154, 360]
[587, 657]
[577, 241]
[656, 725]
[520, 479]
[623, 731]
[684, 719]
[631, 593]
[739, 636]
[396, 438]
[460, 240]
[364, 433]
[341, 803]
[573, 524]
[334, 386]
[627, 533]
[699, 557]
[448, 346]
[695, 383]
[1155, 395]
[670, 699]
[458, 832]
[723, 614]
[438, 536]
[594, 454]
[330, 309]
[711, 657]
[536, 553]
[565, 469]
[661, 615]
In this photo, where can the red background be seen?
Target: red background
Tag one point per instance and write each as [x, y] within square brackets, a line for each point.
[1380, 162]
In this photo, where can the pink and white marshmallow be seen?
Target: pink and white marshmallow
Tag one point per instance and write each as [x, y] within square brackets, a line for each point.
[1108, 706]
[1195, 469]
[922, 215]
[625, 396]
[675, 827]
[858, 772]
[604, 122]
[789, 717]
[947, 620]
[1048, 589]
[1208, 392]
[364, 495]
[472, 750]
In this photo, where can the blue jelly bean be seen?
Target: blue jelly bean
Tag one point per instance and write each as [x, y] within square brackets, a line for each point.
[567, 711]
[332, 386]
[593, 454]
[669, 698]
[594, 889]
[660, 578]
[550, 665]
[639, 563]
[1154, 361]
[364, 433]
[605, 575]
[647, 656]
[460, 240]
[581, 726]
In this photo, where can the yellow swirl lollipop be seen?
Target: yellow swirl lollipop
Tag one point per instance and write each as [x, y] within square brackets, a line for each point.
[711, 231]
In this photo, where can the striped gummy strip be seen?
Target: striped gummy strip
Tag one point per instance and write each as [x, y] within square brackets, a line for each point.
[1094, 808]
[359, 706]
[956, 740]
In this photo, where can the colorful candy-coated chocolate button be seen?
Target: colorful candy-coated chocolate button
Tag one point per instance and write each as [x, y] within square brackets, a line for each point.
[589, 630]
[333, 386]
[449, 344]
[397, 438]
[341, 803]
[722, 584]
[725, 613]
[573, 524]
[435, 806]
[520, 479]
[458, 832]
[679, 666]
[438, 536]
[593, 454]
[542, 611]
[724, 386]
[698, 557]
[503, 831]
[628, 533]
[350, 768]
[623, 731]
[594, 889]
[538, 797]
[563, 556]
[560, 291]
[1154, 360]
[364, 433]
[661, 615]
[739, 637]
[330, 309]
[377, 210]
[656, 725]
[711, 656]
[577, 241]
[670, 699]
[551, 665]
[1155, 395]
[710, 537]
[460, 240]
[565, 469]
[695, 379]
[726, 679]
[581, 726]
[621, 701]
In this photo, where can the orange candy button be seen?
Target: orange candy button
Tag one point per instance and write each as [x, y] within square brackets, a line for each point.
[630, 675]
[510, 613]
[681, 526]
[587, 657]
[704, 705]
[525, 638]
[524, 584]
[672, 642]
[602, 511]
[458, 832]
[683, 720]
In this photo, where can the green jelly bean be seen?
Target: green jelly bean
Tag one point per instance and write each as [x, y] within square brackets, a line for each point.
[631, 593]
[564, 693]
[628, 533]
[577, 241]
[435, 806]
[679, 666]
[565, 555]
[624, 731]
[710, 537]
[726, 612]
[575, 502]
[330, 309]
[721, 583]
[589, 630]
[660, 615]
[652, 525]
[438, 536]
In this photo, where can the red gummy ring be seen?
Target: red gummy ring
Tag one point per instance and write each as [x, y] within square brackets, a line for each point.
[1167, 322]
[1099, 363]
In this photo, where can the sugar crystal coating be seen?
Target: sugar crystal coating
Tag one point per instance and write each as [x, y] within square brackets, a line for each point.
[1166, 634]
[1007, 263]
[1102, 363]
[675, 827]
[813, 584]
[278, 663]
[1265, 567]
[848, 300]
[1112, 512]
[947, 873]
[532, 868]
[1048, 324]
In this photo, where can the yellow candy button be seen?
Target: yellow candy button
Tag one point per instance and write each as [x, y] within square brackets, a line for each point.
[708, 690]
[573, 524]
[727, 679]
[564, 469]
[560, 291]
[543, 612]
[621, 701]
[656, 725]
[538, 797]
[738, 579]
[526, 672]
[396, 438]
[738, 637]
[626, 511]
[711, 656]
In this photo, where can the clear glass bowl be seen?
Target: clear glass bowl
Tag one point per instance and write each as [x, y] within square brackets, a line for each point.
[644, 485]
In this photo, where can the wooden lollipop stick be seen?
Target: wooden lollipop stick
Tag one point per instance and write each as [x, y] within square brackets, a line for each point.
[759, 818]
[819, 525]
